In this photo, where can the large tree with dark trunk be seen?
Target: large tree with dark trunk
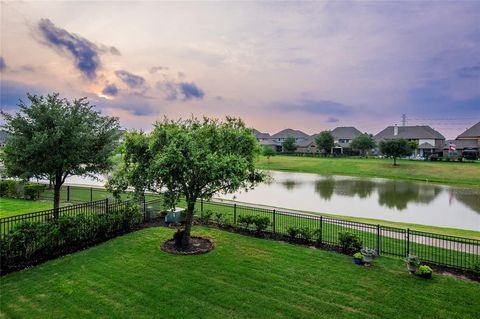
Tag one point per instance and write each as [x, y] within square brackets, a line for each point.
[396, 148]
[52, 138]
[189, 159]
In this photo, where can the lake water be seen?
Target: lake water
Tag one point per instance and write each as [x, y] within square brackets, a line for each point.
[393, 200]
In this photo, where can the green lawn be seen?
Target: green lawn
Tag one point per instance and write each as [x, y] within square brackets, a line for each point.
[14, 206]
[244, 277]
[439, 172]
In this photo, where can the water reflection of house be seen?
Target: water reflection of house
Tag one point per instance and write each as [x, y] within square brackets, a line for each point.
[465, 145]
[428, 140]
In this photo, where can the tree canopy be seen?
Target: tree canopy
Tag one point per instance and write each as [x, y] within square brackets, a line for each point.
[289, 144]
[52, 138]
[363, 142]
[325, 141]
[191, 159]
[267, 151]
[396, 148]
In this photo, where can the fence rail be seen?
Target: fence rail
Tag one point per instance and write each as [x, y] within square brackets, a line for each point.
[450, 251]
[444, 250]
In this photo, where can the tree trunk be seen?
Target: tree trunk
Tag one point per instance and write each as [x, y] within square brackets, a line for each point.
[188, 224]
[56, 196]
[394, 161]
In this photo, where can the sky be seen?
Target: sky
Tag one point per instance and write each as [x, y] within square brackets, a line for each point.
[303, 65]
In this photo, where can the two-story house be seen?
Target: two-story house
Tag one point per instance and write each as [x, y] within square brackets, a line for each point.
[465, 145]
[428, 140]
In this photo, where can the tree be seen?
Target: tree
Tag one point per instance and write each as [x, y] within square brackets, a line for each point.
[289, 145]
[396, 148]
[53, 138]
[191, 159]
[364, 143]
[325, 141]
[268, 151]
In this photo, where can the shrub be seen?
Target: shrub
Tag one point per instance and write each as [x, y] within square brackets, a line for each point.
[261, 223]
[349, 242]
[476, 267]
[219, 217]
[8, 188]
[33, 241]
[413, 261]
[32, 190]
[317, 233]
[305, 234]
[246, 221]
[293, 232]
[206, 216]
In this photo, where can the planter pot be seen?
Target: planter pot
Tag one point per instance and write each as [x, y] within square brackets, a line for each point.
[358, 261]
[426, 276]
[412, 268]
[367, 259]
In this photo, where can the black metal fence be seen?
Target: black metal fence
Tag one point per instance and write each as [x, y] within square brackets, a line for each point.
[449, 251]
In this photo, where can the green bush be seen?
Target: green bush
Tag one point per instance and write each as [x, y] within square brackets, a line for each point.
[476, 267]
[305, 234]
[31, 241]
[293, 232]
[206, 216]
[349, 242]
[8, 188]
[261, 223]
[32, 190]
[246, 221]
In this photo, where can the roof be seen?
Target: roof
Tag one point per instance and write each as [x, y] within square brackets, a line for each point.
[289, 132]
[309, 141]
[425, 146]
[345, 132]
[461, 144]
[474, 131]
[410, 132]
[269, 142]
[259, 134]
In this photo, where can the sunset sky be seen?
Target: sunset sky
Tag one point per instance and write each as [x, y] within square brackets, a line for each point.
[308, 66]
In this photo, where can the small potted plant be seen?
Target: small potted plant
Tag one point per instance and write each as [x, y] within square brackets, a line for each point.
[358, 258]
[413, 262]
[368, 254]
[425, 271]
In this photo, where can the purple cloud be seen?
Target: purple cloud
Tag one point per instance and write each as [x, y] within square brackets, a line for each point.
[133, 81]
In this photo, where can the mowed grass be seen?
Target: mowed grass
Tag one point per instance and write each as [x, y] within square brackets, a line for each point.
[14, 206]
[243, 277]
[457, 173]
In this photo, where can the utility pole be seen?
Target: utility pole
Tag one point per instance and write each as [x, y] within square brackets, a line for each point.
[404, 120]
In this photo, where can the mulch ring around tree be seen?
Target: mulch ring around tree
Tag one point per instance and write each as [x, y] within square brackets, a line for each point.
[198, 245]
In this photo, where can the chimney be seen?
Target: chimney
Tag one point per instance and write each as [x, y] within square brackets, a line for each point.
[395, 130]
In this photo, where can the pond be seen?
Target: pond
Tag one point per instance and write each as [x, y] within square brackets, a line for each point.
[393, 200]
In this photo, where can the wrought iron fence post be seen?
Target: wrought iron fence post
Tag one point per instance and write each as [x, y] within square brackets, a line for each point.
[274, 221]
[68, 193]
[234, 214]
[320, 239]
[378, 239]
[201, 207]
[408, 241]
[91, 194]
[145, 209]
[106, 205]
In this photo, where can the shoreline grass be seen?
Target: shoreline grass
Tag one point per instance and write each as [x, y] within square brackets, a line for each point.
[450, 173]
[243, 277]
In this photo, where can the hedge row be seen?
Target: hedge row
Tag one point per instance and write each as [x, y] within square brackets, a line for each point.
[33, 242]
[16, 189]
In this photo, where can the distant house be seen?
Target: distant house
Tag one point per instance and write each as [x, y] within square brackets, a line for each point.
[342, 136]
[275, 141]
[466, 144]
[429, 141]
